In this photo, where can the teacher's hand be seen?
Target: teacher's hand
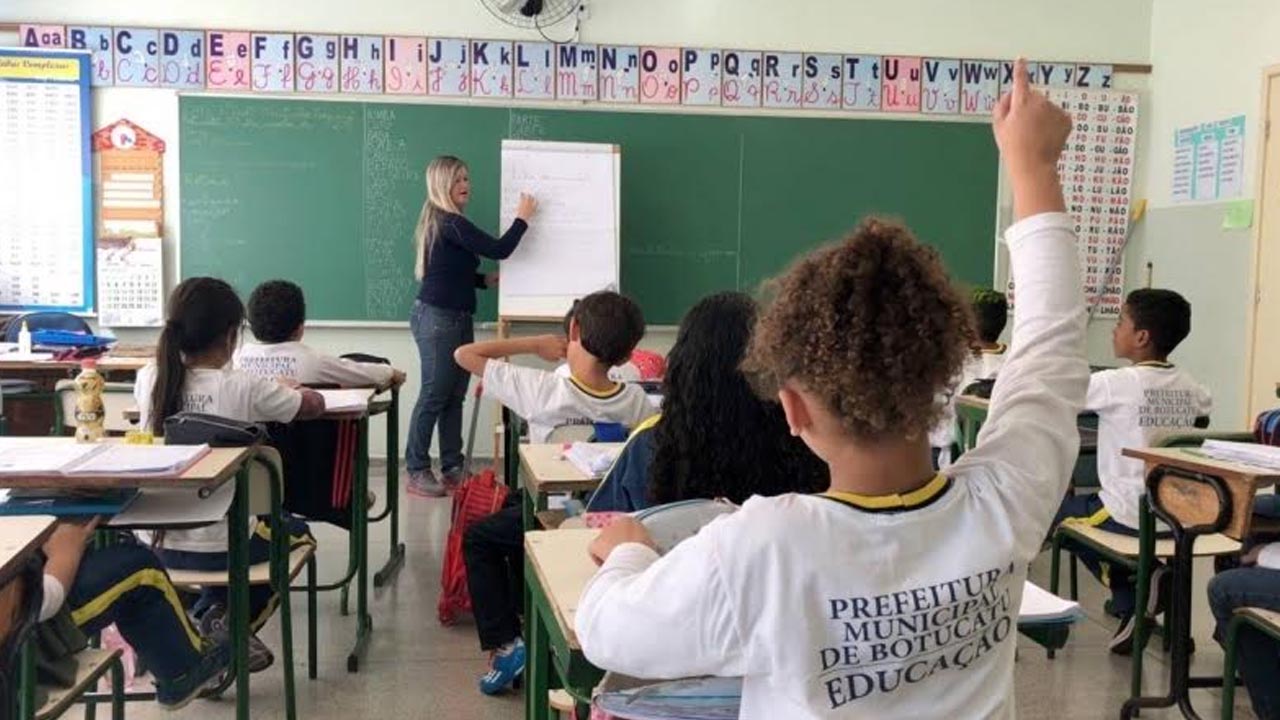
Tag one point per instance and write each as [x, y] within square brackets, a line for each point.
[526, 207]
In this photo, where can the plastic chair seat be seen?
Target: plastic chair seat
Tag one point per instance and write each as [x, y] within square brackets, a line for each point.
[1126, 546]
[259, 574]
[92, 664]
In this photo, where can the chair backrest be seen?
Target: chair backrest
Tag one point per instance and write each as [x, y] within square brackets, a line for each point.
[571, 433]
[319, 464]
[117, 399]
[265, 467]
[45, 321]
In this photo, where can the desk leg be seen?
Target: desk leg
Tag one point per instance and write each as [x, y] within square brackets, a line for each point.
[538, 667]
[1141, 631]
[360, 531]
[392, 567]
[238, 564]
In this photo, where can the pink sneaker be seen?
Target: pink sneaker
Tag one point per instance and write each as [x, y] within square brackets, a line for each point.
[423, 484]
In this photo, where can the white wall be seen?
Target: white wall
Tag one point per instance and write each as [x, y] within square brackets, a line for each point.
[1047, 29]
[1208, 61]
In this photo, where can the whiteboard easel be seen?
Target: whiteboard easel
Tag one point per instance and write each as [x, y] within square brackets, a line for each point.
[572, 246]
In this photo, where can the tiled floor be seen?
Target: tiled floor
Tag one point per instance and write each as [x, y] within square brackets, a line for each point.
[416, 668]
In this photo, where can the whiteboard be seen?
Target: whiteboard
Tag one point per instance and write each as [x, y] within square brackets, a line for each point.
[46, 200]
[571, 247]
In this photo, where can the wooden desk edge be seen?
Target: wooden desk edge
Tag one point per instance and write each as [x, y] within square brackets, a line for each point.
[1180, 457]
[114, 481]
[6, 570]
[531, 539]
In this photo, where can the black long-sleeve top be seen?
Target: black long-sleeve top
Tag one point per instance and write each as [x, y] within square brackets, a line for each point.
[451, 280]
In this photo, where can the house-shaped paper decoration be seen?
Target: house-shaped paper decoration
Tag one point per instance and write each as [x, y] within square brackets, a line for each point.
[130, 179]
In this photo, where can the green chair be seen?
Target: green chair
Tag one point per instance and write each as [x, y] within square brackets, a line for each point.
[1261, 619]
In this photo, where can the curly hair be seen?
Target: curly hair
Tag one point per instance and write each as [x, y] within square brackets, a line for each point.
[716, 437]
[872, 326]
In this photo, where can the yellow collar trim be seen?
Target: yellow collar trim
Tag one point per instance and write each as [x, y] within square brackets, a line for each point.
[999, 349]
[599, 394]
[894, 501]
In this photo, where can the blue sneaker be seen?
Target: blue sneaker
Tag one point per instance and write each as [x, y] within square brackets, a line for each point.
[177, 693]
[504, 669]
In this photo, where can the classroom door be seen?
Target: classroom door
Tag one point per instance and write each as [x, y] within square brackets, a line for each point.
[1265, 360]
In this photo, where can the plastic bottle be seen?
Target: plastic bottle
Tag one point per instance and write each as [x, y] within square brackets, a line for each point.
[89, 410]
[24, 339]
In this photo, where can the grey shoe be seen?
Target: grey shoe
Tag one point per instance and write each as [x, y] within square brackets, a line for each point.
[214, 625]
[423, 483]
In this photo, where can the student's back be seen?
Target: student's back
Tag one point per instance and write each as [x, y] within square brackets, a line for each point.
[1142, 404]
[896, 593]
[715, 438]
[277, 311]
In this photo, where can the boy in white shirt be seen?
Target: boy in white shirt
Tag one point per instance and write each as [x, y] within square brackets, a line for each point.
[896, 593]
[277, 311]
[602, 331]
[1137, 406]
[990, 314]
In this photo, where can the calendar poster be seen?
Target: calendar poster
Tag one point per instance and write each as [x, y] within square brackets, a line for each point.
[46, 200]
[130, 282]
[1096, 169]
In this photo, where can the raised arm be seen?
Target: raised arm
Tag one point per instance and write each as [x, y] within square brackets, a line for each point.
[464, 233]
[1030, 440]
[473, 357]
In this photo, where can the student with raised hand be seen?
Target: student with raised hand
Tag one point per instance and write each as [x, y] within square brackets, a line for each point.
[192, 372]
[895, 592]
[715, 437]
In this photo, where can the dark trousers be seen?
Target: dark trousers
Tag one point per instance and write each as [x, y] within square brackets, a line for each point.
[125, 584]
[1088, 509]
[437, 333]
[261, 597]
[493, 550]
[1258, 655]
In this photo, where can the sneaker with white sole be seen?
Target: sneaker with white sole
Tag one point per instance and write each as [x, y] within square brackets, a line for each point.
[505, 667]
[176, 693]
[423, 483]
[214, 625]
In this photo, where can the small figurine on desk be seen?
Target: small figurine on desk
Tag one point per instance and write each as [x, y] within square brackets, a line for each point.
[89, 408]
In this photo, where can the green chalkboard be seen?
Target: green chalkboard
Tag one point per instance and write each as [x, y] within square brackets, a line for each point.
[327, 193]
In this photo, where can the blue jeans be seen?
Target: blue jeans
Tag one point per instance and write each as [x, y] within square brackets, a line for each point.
[438, 332]
[261, 598]
[1258, 655]
[126, 585]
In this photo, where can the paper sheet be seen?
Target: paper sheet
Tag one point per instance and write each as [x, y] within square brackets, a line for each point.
[40, 458]
[132, 460]
[349, 400]
[571, 247]
[1039, 605]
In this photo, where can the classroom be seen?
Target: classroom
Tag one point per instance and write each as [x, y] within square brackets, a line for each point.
[580, 358]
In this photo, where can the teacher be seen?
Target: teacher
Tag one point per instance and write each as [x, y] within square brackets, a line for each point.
[449, 248]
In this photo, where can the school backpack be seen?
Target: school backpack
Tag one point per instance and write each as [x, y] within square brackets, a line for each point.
[1266, 429]
[478, 497]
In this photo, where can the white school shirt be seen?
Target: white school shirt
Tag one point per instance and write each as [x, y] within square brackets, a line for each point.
[858, 608]
[227, 393]
[548, 401]
[296, 361]
[983, 366]
[626, 372]
[1138, 406]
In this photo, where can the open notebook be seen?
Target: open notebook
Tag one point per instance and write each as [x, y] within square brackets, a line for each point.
[1263, 456]
[18, 458]
[344, 401]
[592, 459]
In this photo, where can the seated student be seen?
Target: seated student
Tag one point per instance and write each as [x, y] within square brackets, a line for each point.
[1136, 406]
[603, 331]
[895, 593]
[125, 584]
[1255, 584]
[277, 311]
[990, 313]
[192, 373]
[715, 438]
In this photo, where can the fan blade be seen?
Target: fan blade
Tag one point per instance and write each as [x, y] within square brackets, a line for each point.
[509, 6]
[531, 8]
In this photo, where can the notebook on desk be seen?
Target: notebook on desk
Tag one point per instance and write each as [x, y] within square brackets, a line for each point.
[65, 504]
[347, 400]
[29, 458]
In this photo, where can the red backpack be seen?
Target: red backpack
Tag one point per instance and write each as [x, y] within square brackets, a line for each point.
[478, 497]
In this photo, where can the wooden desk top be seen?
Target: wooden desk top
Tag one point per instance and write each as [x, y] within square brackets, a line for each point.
[210, 471]
[20, 536]
[1196, 461]
[1195, 503]
[563, 567]
[106, 362]
[547, 472]
[377, 406]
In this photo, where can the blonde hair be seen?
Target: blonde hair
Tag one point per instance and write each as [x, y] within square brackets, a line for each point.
[440, 176]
